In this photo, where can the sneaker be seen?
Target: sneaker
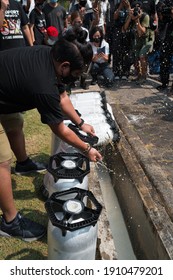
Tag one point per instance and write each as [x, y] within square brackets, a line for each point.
[93, 82]
[28, 167]
[22, 228]
[44, 192]
[124, 78]
[117, 78]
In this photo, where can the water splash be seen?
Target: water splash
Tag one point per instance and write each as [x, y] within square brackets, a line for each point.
[100, 162]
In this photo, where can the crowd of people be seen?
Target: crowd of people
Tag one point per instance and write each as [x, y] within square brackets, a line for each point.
[45, 49]
[130, 30]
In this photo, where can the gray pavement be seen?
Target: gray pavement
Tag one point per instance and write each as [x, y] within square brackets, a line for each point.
[149, 115]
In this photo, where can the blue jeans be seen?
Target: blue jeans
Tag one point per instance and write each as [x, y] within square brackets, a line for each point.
[102, 69]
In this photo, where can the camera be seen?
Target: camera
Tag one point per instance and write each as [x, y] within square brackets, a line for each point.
[136, 11]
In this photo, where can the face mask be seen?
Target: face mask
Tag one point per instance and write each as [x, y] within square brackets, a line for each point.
[97, 40]
[50, 42]
[78, 24]
[68, 80]
[40, 6]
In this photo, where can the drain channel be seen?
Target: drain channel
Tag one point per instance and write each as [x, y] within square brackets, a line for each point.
[117, 224]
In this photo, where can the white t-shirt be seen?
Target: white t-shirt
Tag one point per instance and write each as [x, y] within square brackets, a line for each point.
[104, 46]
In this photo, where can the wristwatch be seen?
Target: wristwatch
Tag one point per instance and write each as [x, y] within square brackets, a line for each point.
[89, 147]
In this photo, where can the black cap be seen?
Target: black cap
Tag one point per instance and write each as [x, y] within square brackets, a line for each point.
[136, 3]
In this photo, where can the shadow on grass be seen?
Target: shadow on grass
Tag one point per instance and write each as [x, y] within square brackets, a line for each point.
[26, 254]
[41, 158]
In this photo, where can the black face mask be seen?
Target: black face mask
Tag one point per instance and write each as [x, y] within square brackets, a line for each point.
[40, 6]
[78, 24]
[68, 80]
[97, 40]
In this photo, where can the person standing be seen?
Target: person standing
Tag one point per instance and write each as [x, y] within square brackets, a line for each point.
[37, 23]
[46, 67]
[14, 32]
[121, 42]
[55, 15]
[143, 39]
[166, 50]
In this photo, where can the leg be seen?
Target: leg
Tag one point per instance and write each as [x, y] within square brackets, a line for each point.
[13, 126]
[12, 223]
[6, 196]
[94, 72]
[116, 53]
[143, 62]
[108, 76]
[164, 64]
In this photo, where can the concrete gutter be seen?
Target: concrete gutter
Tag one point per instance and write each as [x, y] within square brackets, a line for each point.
[151, 206]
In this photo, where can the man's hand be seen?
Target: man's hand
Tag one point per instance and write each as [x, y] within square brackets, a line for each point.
[88, 129]
[94, 155]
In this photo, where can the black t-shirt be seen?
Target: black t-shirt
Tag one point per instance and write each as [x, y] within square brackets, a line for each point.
[55, 16]
[11, 35]
[28, 81]
[38, 19]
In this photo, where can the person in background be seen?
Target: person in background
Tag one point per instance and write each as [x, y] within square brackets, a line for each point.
[85, 8]
[14, 26]
[121, 42]
[100, 69]
[143, 39]
[51, 36]
[55, 15]
[26, 4]
[166, 49]
[110, 25]
[76, 22]
[104, 11]
[46, 67]
[37, 23]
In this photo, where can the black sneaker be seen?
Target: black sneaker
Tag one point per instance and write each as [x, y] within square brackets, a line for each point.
[28, 167]
[93, 82]
[22, 228]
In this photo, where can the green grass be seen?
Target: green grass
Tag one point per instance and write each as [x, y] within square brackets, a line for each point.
[27, 195]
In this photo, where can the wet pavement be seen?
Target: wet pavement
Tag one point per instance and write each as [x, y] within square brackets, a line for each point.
[144, 116]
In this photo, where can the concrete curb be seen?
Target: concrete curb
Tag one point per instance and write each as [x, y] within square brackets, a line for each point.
[151, 168]
[153, 189]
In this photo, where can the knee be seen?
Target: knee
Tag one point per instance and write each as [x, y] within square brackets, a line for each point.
[12, 123]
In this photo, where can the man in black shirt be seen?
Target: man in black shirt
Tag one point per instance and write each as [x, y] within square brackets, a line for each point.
[55, 15]
[30, 78]
[14, 33]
